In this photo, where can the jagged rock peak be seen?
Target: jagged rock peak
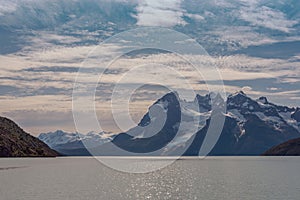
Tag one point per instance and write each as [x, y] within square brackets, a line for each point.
[238, 98]
[171, 96]
[202, 98]
[296, 114]
[203, 101]
[263, 100]
[238, 94]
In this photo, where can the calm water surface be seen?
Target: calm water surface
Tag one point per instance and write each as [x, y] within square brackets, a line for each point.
[212, 178]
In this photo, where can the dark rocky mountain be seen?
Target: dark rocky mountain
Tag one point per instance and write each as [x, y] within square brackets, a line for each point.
[251, 127]
[15, 142]
[166, 109]
[289, 148]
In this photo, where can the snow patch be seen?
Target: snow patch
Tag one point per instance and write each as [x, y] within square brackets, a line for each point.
[235, 113]
[287, 116]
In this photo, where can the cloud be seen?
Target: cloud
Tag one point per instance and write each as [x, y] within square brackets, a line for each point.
[54, 38]
[25, 91]
[273, 88]
[241, 36]
[196, 17]
[56, 42]
[283, 50]
[163, 13]
[246, 88]
[8, 90]
[7, 7]
[159, 13]
[52, 69]
[260, 15]
[47, 87]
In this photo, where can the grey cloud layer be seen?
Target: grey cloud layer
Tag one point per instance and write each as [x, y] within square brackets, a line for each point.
[43, 43]
[220, 24]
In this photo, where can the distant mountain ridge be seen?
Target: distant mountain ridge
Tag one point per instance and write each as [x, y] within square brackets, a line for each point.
[74, 143]
[15, 142]
[252, 126]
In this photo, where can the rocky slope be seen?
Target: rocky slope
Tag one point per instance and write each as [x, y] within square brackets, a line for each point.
[289, 148]
[15, 142]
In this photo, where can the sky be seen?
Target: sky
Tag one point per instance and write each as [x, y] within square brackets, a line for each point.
[254, 45]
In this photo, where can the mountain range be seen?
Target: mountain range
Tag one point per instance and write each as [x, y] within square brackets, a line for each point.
[251, 127]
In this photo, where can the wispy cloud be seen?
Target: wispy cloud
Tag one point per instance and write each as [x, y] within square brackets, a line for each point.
[159, 13]
[163, 13]
[48, 89]
[7, 7]
[241, 36]
[263, 16]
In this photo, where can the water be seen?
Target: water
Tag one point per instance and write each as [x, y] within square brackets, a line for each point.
[211, 178]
